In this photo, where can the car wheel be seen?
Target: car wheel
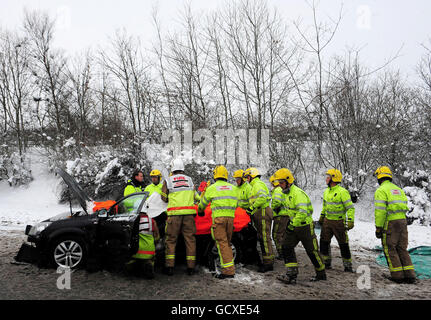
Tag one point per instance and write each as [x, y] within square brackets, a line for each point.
[68, 252]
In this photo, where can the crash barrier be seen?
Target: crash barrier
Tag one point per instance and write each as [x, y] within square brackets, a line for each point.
[421, 258]
[203, 224]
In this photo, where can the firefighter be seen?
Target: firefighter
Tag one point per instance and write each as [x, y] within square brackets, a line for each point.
[223, 197]
[391, 226]
[156, 185]
[261, 213]
[280, 215]
[243, 187]
[336, 218]
[143, 261]
[134, 185]
[299, 228]
[179, 192]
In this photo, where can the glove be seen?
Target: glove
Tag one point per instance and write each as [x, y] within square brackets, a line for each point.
[250, 211]
[379, 232]
[290, 227]
[201, 213]
[322, 218]
[350, 225]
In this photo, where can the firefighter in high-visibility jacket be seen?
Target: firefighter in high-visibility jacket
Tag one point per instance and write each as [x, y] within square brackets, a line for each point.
[391, 226]
[300, 228]
[134, 185]
[143, 260]
[223, 197]
[243, 187]
[280, 215]
[156, 185]
[179, 192]
[261, 214]
[336, 218]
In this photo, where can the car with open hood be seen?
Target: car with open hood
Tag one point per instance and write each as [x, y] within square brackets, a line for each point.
[107, 235]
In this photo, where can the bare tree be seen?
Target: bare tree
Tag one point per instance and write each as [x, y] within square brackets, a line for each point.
[15, 85]
[50, 70]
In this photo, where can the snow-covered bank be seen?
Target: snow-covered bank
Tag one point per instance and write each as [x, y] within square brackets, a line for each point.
[30, 204]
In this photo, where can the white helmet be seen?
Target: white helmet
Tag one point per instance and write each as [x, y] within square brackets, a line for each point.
[177, 165]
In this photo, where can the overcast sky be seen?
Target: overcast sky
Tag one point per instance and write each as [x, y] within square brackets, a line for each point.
[380, 27]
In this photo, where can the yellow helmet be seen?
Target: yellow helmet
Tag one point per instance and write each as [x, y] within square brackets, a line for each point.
[155, 173]
[220, 172]
[273, 181]
[284, 174]
[382, 172]
[238, 174]
[335, 174]
[252, 172]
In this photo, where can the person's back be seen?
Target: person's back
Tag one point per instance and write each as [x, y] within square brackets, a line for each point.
[223, 197]
[179, 192]
[391, 226]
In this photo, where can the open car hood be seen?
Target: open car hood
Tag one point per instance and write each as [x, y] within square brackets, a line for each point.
[74, 188]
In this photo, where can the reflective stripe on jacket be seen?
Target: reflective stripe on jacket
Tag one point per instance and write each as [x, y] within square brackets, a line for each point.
[181, 195]
[148, 234]
[390, 203]
[337, 203]
[299, 206]
[278, 200]
[259, 195]
[223, 197]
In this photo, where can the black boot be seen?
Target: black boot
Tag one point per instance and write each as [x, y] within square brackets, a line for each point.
[287, 279]
[190, 271]
[320, 275]
[265, 267]
[410, 280]
[222, 276]
[168, 271]
[348, 269]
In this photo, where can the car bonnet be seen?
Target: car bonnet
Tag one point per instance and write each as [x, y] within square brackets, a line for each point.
[75, 188]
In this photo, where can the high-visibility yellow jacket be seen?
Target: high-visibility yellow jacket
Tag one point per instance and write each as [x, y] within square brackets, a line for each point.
[130, 188]
[277, 203]
[181, 195]
[244, 191]
[223, 197]
[337, 204]
[260, 196]
[154, 188]
[148, 235]
[299, 207]
[390, 204]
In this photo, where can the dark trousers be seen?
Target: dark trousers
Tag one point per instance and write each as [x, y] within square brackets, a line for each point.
[308, 238]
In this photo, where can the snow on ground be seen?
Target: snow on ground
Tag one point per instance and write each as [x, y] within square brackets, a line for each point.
[30, 204]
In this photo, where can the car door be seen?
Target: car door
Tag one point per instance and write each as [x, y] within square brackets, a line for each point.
[117, 232]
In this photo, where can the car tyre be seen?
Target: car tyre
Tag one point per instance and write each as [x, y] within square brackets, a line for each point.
[68, 252]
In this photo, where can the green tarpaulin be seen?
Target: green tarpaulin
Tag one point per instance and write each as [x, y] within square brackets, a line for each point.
[421, 258]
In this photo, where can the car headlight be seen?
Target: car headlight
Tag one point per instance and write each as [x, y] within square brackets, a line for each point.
[38, 228]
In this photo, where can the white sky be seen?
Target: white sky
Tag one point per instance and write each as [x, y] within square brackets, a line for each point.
[380, 27]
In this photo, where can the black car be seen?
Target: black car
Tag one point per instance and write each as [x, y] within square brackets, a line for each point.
[108, 238]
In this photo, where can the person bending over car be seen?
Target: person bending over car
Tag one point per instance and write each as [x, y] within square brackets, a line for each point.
[142, 263]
